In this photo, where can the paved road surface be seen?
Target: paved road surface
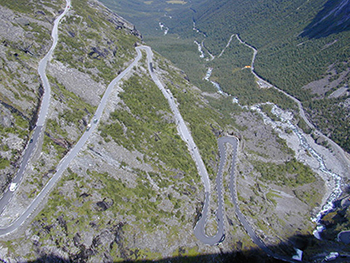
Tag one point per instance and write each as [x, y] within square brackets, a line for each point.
[199, 229]
[25, 158]
[187, 137]
[239, 214]
[220, 235]
[62, 166]
[44, 108]
[183, 130]
[233, 192]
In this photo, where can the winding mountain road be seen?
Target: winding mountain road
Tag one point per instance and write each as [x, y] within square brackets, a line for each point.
[233, 192]
[184, 132]
[199, 229]
[186, 136]
[7, 196]
[64, 163]
[182, 129]
[44, 108]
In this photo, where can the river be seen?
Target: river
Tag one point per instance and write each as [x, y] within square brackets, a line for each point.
[333, 180]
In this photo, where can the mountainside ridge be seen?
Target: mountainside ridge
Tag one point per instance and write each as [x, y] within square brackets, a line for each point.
[133, 192]
[333, 18]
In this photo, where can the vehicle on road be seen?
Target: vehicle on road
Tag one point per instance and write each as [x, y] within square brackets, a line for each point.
[95, 120]
[88, 127]
[31, 140]
[331, 256]
[13, 187]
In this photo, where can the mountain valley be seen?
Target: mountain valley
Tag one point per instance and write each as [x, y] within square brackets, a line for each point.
[134, 191]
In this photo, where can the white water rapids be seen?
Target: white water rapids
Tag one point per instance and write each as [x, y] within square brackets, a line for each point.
[333, 179]
[215, 84]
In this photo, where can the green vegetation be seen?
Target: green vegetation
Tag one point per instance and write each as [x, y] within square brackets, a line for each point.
[128, 204]
[291, 173]
[20, 127]
[267, 108]
[143, 126]
[146, 14]
[73, 115]
[284, 58]
[30, 7]
[183, 252]
[201, 118]
[332, 117]
[48, 143]
[288, 56]
[41, 33]
[303, 125]
[4, 163]
[271, 196]
[310, 197]
[133, 201]
[10, 75]
[336, 221]
[23, 6]
[184, 54]
[144, 200]
[138, 125]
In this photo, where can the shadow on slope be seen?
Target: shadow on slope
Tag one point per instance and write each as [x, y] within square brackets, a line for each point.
[314, 251]
[333, 18]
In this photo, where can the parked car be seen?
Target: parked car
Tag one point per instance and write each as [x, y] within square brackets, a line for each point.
[13, 187]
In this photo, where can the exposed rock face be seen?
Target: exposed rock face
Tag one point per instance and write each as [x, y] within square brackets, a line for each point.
[77, 82]
[104, 204]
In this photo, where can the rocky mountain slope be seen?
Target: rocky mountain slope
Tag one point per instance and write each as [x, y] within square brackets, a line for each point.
[24, 40]
[133, 192]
